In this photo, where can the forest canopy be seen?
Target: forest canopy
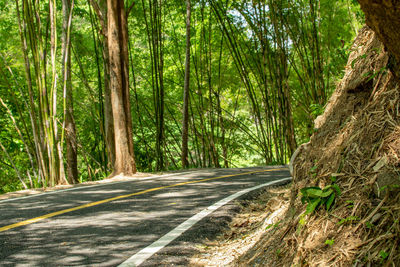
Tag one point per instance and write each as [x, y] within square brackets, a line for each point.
[256, 75]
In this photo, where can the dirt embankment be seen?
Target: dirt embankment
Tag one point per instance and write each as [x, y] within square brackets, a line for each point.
[356, 146]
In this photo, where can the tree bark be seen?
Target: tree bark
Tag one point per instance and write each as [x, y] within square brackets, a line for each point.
[383, 18]
[185, 121]
[70, 129]
[108, 113]
[158, 72]
[117, 34]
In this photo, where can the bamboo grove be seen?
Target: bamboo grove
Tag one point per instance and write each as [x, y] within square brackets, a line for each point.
[209, 83]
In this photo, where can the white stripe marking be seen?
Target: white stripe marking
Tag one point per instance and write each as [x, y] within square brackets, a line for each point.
[150, 250]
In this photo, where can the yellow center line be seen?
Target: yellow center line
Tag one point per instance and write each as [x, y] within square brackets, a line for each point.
[50, 215]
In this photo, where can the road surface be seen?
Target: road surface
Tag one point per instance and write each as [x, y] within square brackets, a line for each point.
[106, 224]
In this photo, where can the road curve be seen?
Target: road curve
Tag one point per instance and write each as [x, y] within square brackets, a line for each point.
[105, 225]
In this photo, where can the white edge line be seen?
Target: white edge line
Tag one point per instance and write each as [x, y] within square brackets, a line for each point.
[153, 248]
[90, 186]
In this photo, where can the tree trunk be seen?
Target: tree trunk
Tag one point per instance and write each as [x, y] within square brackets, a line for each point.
[185, 122]
[119, 84]
[383, 18]
[108, 113]
[42, 168]
[55, 140]
[70, 129]
[158, 71]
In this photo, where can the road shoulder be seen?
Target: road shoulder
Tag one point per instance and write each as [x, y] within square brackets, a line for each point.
[226, 234]
[259, 216]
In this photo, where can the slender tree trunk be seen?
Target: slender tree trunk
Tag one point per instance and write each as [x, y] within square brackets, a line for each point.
[108, 113]
[119, 85]
[185, 122]
[53, 139]
[96, 41]
[70, 129]
[156, 26]
[219, 109]
[42, 168]
[154, 35]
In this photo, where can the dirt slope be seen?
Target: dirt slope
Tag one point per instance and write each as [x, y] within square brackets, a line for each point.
[356, 145]
[357, 142]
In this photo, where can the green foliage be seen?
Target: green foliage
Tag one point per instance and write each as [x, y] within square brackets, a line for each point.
[371, 75]
[349, 203]
[278, 253]
[316, 197]
[389, 187]
[314, 169]
[348, 220]
[383, 255]
[329, 242]
[224, 122]
[316, 110]
[274, 225]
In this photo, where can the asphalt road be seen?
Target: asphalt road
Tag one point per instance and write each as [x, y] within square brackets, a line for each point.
[106, 224]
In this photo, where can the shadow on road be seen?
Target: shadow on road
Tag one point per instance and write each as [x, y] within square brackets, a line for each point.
[107, 234]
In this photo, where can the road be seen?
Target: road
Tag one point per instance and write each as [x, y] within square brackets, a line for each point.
[105, 225]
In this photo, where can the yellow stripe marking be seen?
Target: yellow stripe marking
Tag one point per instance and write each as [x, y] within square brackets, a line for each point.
[50, 215]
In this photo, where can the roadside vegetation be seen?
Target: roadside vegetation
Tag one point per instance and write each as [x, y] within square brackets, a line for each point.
[255, 76]
[343, 206]
[93, 89]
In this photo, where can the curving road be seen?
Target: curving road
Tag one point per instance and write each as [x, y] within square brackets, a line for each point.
[104, 225]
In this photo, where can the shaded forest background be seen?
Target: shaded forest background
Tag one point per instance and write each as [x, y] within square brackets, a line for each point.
[260, 73]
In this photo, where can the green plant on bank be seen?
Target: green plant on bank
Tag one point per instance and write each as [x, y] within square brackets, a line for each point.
[313, 170]
[278, 253]
[369, 225]
[348, 220]
[274, 225]
[383, 255]
[301, 224]
[350, 203]
[329, 242]
[389, 187]
[315, 197]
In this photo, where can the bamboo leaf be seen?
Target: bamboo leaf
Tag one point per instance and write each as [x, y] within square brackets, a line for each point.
[312, 205]
[330, 201]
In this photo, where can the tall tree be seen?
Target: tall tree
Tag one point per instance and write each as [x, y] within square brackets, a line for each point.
[100, 8]
[70, 129]
[108, 113]
[117, 34]
[156, 24]
[185, 122]
[154, 27]
[47, 139]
